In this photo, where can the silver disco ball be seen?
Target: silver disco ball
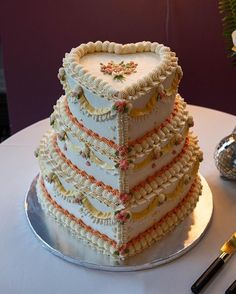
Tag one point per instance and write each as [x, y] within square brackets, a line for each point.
[225, 156]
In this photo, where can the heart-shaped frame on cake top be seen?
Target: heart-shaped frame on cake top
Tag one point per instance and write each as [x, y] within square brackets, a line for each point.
[155, 63]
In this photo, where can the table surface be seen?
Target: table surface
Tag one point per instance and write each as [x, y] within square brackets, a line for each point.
[26, 267]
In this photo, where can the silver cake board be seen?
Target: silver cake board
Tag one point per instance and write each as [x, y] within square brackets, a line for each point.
[61, 242]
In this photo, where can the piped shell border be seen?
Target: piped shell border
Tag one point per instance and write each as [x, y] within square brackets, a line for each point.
[109, 247]
[168, 64]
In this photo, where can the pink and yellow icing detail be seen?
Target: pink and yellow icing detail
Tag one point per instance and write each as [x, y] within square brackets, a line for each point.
[111, 143]
[72, 217]
[149, 179]
[121, 106]
[88, 131]
[145, 238]
[118, 70]
[155, 130]
[148, 108]
[174, 211]
[124, 197]
[125, 219]
[115, 192]
[124, 164]
[122, 151]
[122, 216]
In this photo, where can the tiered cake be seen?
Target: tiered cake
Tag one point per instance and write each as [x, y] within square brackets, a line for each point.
[119, 166]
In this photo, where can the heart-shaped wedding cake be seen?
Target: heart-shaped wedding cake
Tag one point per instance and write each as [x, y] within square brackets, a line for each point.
[119, 166]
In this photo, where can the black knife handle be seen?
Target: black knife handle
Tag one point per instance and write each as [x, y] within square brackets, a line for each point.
[231, 289]
[207, 275]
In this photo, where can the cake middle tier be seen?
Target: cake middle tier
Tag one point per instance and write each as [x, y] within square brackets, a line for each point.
[118, 166]
[57, 164]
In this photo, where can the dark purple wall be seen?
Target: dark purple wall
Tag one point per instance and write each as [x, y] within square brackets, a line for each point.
[36, 34]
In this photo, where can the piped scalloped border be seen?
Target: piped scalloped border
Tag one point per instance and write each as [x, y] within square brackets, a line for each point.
[56, 161]
[50, 153]
[142, 145]
[108, 246]
[168, 64]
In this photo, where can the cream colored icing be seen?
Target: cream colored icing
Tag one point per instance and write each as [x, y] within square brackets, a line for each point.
[159, 137]
[83, 64]
[58, 165]
[158, 231]
[147, 62]
[119, 165]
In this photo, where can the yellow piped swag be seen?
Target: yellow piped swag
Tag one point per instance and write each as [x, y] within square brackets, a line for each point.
[108, 111]
[95, 212]
[177, 191]
[135, 215]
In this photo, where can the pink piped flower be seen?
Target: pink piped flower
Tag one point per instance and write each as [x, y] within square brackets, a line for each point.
[118, 70]
[124, 197]
[124, 164]
[122, 216]
[123, 150]
[87, 163]
[108, 71]
[120, 106]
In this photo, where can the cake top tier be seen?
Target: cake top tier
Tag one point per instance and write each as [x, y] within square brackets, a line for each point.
[118, 71]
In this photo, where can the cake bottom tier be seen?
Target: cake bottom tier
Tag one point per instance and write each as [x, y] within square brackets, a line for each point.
[106, 245]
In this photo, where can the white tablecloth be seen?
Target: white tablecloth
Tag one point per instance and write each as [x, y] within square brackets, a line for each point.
[26, 267]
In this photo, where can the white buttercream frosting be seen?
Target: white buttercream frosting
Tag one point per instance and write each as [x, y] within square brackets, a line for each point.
[100, 242]
[155, 63]
[119, 166]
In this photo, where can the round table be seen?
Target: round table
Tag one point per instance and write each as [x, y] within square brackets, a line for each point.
[26, 267]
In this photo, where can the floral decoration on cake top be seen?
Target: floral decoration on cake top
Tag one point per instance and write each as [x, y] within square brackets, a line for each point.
[118, 70]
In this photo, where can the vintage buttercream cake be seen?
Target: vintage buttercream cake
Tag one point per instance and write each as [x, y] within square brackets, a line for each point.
[119, 165]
